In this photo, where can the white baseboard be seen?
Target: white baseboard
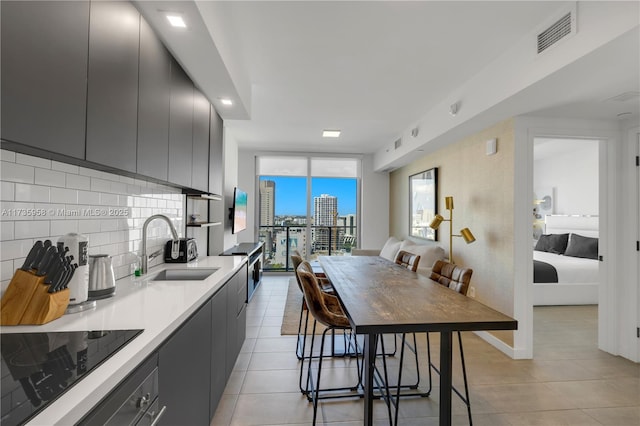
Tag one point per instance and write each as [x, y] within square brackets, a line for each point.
[500, 345]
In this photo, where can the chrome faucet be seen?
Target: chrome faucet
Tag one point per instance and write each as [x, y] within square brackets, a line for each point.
[145, 259]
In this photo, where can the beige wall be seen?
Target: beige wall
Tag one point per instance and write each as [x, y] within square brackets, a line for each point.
[482, 187]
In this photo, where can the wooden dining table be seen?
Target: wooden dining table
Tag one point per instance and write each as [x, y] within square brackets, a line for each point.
[381, 297]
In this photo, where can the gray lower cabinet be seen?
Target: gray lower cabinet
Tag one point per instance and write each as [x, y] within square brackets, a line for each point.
[180, 127]
[154, 92]
[44, 74]
[206, 346]
[112, 98]
[184, 364]
[219, 332]
[236, 316]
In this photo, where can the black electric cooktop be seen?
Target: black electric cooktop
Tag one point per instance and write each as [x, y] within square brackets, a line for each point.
[39, 367]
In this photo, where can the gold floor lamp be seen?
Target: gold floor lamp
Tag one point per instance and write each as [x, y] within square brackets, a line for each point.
[465, 233]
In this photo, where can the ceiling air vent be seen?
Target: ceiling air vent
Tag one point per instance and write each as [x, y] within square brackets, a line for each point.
[560, 29]
[398, 143]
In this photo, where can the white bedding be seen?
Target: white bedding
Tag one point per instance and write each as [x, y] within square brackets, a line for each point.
[571, 270]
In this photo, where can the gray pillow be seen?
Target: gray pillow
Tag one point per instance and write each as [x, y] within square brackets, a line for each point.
[552, 243]
[580, 246]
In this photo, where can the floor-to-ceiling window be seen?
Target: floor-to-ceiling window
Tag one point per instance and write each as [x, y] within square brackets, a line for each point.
[308, 204]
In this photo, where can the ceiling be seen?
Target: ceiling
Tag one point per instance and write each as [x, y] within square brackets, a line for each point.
[370, 69]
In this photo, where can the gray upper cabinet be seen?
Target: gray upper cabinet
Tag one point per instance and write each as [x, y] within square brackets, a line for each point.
[215, 153]
[180, 127]
[112, 98]
[153, 105]
[200, 170]
[44, 74]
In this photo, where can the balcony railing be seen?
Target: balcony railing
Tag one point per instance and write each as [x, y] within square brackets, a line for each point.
[281, 241]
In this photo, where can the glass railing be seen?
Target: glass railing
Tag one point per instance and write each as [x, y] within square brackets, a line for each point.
[281, 241]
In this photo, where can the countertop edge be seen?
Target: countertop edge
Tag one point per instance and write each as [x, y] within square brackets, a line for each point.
[78, 400]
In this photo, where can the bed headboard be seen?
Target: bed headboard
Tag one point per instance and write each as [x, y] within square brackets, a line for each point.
[578, 224]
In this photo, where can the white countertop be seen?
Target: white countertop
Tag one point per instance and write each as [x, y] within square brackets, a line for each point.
[158, 307]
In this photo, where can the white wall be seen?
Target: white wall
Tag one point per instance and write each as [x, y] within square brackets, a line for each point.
[374, 206]
[499, 91]
[231, 170]
[573, 177]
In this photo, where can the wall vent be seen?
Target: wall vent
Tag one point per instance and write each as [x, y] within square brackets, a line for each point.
[398, 143]
[556, 32]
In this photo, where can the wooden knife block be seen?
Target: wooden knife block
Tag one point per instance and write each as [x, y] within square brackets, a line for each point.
[27, 301]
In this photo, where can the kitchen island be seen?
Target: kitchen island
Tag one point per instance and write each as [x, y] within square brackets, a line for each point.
[161, 309]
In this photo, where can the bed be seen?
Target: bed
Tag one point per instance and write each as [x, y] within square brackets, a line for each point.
[575, 265]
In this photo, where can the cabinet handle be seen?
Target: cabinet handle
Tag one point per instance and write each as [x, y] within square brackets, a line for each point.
[143, 401]
[160, 414]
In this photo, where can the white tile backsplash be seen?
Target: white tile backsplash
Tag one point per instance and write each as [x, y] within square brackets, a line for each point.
[62, 227]
[88, 197]
[44, 199]
[78, 182]
[30, 160]
[64, 195]
[7, 156]
[8, 191]
[64, 167]
[100, 185]
[50, 177]
[12, 172]
[28, 192]
[31, 229]
[6, 230]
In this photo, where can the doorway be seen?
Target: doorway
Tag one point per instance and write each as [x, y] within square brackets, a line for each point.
[565, 220]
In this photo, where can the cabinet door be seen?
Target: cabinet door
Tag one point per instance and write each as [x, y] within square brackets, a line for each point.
[218, 348]
[236, 325]
[184, 366]
[215, 153]
[200, 170]
[112, 98]
[44, 74]
[180, 127]
[153, 105]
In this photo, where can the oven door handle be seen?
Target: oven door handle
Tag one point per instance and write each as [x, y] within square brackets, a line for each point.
[158, 416]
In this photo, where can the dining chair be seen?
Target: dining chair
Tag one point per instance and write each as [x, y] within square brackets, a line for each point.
[457, 279]
[325, 309]
[296, 259]
[408, 260]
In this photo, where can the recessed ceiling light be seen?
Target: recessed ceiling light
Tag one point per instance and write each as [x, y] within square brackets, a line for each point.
[331, 133]
[226, 101]
[176, 21]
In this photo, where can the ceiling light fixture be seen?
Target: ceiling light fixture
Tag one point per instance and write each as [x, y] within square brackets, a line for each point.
[226, 101]
[176, 21]
[331, 133]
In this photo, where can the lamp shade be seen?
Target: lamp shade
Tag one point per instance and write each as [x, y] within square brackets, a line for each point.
[448, 203]
[467, 235]
[437, 220]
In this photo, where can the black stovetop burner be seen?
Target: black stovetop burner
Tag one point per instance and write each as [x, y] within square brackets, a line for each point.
[39, 367]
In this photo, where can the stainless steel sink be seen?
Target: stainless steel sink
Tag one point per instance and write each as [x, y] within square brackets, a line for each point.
[187, 274]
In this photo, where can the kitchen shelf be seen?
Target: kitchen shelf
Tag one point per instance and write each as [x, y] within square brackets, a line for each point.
[213, 197]
[203, 224]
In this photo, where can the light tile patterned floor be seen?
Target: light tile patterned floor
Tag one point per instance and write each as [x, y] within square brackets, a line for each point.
[569, 381]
